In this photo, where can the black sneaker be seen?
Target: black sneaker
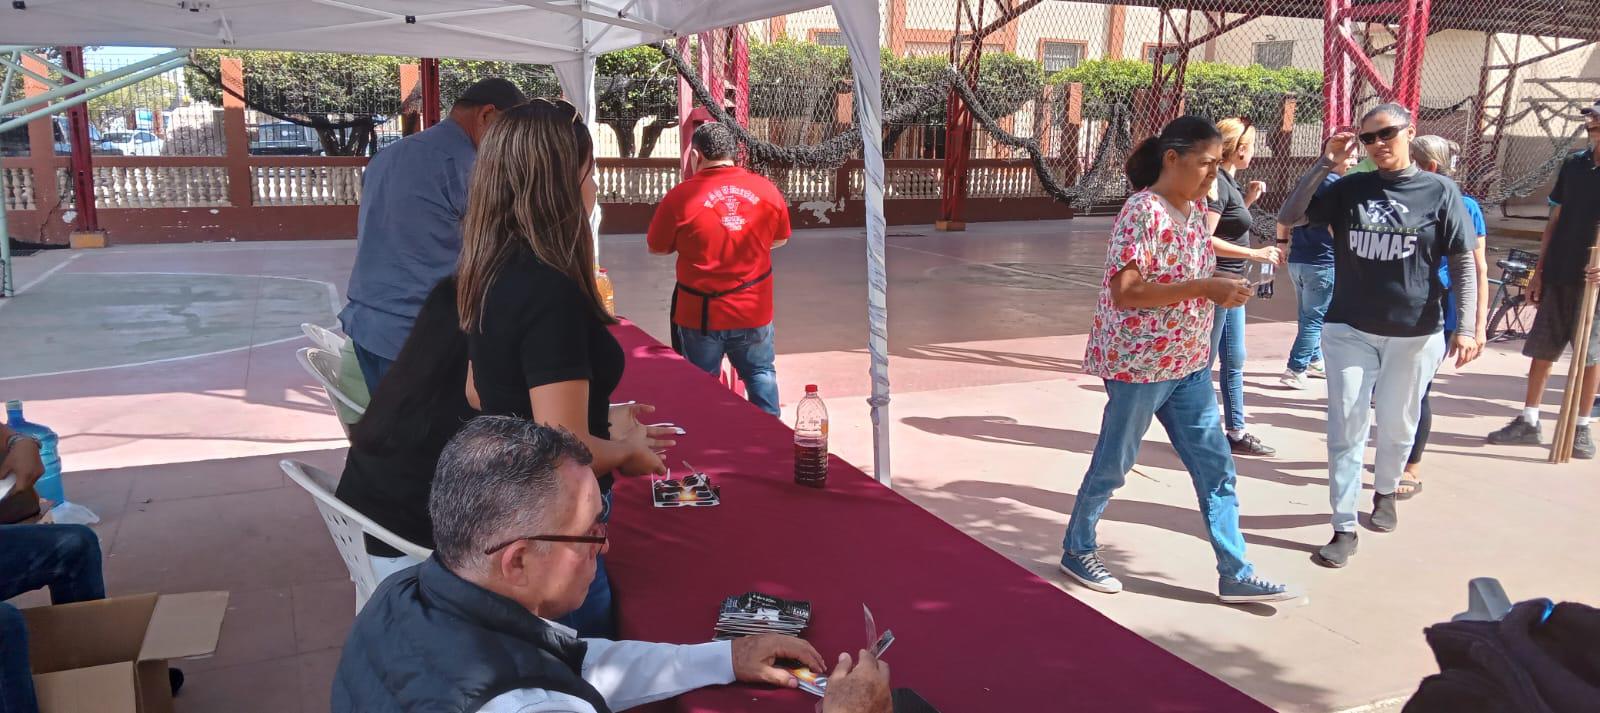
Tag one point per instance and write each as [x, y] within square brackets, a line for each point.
[1249, 445]
[1583, 444]
[1518, 432]
[1337, 552]
[1384, 514]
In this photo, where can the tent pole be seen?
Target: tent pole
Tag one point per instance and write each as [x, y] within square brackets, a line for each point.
[7, 288]
[860, 23]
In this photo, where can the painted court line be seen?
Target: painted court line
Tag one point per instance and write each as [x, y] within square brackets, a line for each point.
[333, 298]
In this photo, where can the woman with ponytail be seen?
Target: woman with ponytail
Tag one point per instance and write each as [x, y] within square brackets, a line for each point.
[1150, 343]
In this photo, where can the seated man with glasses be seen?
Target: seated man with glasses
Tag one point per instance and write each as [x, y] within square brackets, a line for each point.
[516, 525]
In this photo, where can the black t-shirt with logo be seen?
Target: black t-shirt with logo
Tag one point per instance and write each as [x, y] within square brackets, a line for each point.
[1390, 234]
[1577, 191]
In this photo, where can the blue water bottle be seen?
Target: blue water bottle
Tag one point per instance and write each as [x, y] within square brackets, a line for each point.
[49, 485]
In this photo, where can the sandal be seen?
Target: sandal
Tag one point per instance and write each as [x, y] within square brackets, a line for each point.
[1414, 485]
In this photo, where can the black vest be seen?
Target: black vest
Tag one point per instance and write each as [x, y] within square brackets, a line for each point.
[431, 642]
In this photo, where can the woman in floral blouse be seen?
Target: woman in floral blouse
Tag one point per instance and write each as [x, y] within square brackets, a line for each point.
[1151, 344]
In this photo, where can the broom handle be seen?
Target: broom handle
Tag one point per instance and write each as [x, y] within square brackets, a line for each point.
[1566, 424]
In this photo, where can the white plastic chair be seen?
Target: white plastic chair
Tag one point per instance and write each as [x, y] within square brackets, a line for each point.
[324, 367]
[323, 337]
[347, 527]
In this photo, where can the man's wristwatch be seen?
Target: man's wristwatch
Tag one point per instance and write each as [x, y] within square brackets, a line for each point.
[18, 437]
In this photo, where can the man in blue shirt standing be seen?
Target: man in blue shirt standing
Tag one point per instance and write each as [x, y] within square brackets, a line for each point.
[408, 234]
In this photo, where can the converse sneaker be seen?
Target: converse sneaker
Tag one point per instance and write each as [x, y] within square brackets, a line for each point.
[1317, 370]
[1518, 432]
[1583, 444]
[1249, 445]
[1252, 589]
[1089, 571]
[1295, 380]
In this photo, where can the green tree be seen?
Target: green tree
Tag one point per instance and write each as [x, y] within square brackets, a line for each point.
[796, 80]
[630, 85]
[344, 97]
[1211, 89]
[1006, 82]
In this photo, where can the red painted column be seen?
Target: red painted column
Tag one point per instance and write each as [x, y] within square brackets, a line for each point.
[431, 109]
[82, 164]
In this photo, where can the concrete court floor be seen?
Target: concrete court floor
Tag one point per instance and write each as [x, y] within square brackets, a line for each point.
[181, 392]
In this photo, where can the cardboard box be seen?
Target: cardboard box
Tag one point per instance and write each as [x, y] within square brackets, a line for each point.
[110, 656]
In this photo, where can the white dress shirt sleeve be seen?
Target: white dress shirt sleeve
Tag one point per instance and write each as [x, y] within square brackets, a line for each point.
[629, 674]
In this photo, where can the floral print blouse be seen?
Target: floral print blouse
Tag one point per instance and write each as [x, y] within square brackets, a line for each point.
[1144, 346]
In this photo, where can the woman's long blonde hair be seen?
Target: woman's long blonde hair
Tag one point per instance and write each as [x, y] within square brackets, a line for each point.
[526, 191]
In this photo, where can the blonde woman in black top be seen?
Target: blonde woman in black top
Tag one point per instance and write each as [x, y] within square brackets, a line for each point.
[1228, 217]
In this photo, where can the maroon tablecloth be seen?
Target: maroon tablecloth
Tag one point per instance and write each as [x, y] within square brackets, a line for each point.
[974, 631]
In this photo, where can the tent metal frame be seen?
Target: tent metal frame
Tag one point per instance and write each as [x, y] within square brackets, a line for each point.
[75, 91]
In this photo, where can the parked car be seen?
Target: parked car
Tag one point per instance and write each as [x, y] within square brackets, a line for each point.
[133, 143]
[15, 141]
[285, 139]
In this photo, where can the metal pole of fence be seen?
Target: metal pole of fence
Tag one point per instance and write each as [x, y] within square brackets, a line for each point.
[6, 288]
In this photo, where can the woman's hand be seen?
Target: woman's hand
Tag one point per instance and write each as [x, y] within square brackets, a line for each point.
[1341, 147]
[1227, 291]
[1272, 255]
[642, 461]
[1465, 349]
[1254, 191]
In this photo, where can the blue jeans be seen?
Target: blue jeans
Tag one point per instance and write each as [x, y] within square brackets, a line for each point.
[750, 350]
[1313, 286]
[373, 367]
[594, 619]
[1187, 409]
[65, 558]
[1227, 345]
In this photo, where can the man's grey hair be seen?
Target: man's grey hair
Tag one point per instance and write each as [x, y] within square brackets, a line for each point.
[1392, 109]
[715, 141]
[497, 480]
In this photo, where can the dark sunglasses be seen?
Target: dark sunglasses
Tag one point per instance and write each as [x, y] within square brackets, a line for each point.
[1384, 134]
[596, 536]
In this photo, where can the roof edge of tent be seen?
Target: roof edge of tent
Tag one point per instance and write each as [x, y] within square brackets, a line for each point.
[703, 17]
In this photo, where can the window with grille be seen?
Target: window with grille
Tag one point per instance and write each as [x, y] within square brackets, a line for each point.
[1275, 55]
[1151, 52]
[830, 39]
[1060, 55]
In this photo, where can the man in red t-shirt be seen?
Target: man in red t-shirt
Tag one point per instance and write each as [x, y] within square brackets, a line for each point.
[723, 223]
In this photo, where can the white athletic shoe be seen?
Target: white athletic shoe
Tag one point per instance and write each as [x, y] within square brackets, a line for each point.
[1293, 380]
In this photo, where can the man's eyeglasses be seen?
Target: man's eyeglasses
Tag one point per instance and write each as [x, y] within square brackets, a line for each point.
[596, 536]
[1386, 133]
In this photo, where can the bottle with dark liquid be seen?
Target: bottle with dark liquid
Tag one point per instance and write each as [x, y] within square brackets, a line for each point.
[811, 440]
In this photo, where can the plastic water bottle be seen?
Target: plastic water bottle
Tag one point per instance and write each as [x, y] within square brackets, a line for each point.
[811, 440]
[608, 293]
[49, 486]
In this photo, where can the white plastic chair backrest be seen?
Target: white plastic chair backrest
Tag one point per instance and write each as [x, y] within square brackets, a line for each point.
[323, 337]
[324, 367]
[347, 527]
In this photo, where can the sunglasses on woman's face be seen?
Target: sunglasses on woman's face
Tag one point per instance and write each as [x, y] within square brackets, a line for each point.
[1386, 133]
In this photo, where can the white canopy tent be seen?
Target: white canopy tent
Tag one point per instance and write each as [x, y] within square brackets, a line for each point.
[566, 34]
